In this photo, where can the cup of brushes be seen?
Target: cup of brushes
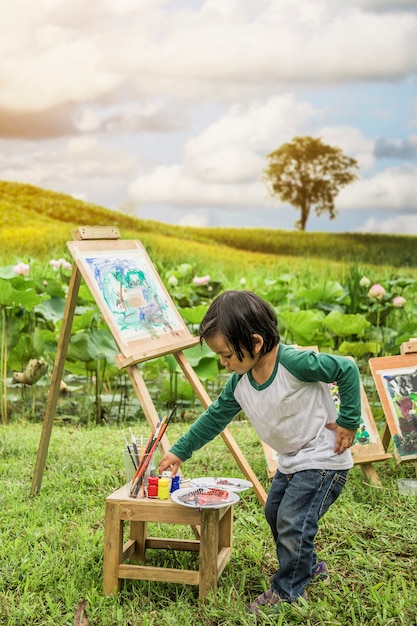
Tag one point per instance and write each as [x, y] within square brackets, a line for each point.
[140, 457]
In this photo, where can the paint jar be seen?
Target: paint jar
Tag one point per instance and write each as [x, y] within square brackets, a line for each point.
[134, 455]
[175, 484]
[130, 464]
[407, 487]
[163, 489]
[131, 456]
[153, 486]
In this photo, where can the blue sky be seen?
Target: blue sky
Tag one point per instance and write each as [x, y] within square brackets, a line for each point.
[167, 109]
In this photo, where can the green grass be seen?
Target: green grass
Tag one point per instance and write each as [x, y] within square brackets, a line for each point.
[51, 545]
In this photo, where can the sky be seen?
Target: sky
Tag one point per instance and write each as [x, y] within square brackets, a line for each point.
[167, 110]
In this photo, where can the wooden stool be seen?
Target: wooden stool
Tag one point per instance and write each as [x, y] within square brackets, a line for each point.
[214, 543]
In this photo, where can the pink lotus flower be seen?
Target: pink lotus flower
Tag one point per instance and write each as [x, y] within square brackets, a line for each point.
[173, 281]
[376, 292]
[364, 282]
[398, 302]
[21, 269]
[60, 263]
[201, 280]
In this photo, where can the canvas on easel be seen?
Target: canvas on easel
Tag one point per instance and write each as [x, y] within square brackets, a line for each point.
[132, 298]
[367, 446]
[396, 382]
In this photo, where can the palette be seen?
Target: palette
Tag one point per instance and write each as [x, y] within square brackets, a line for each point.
[204, 497]
[236, 485]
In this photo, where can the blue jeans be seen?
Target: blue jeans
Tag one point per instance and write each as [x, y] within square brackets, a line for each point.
[293, 508]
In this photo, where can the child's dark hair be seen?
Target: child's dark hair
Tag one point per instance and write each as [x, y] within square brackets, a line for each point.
[238, 315]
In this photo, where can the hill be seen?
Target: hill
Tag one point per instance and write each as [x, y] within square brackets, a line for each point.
[36, 223]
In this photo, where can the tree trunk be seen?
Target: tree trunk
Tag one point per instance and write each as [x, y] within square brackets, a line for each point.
[305, 212]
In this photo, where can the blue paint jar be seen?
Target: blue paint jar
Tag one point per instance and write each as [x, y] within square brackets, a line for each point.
[175, 483]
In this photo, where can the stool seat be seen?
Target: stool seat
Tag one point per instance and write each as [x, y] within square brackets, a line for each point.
[214, 536]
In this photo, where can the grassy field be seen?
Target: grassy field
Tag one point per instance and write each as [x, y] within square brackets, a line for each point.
[36, 224]
[51, 545]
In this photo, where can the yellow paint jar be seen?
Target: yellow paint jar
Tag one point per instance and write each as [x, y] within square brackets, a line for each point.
[163, 489]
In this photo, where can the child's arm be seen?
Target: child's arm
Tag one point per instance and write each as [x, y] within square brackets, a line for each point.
[312, 366]
[210, 423]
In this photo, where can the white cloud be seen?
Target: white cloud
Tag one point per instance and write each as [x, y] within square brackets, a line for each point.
[53, 53]
[87, 164]
[393, 189]
[401, 224]
[223, 164]
[93, 158]
[387, 5]
[51, 65]
[174, 186]
[198, 219]
[252, 124]
[352, 142]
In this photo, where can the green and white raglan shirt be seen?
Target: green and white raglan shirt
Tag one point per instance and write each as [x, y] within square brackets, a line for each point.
[289, 411]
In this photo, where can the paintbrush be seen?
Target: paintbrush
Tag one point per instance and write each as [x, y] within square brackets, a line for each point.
[130, 453]
[152, 446]
[135, 447]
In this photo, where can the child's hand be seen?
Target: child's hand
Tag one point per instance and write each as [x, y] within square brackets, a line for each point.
[344, 437]
[170, 461]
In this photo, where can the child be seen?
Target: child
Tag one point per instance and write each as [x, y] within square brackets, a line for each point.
[284, 393]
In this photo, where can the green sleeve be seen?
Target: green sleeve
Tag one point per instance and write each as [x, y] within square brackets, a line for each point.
[311, 366]
[210, 423]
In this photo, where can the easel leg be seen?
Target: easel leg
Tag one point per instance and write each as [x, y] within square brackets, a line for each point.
[147, 404]
[386, 437]
[271, 459]
[57, 374]
[370, 473]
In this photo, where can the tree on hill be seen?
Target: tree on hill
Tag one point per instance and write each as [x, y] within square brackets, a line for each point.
[309, 173]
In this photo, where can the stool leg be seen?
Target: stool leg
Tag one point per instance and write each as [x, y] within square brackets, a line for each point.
[139, 532]
[209, 547]
[226, 529]
[113, 547]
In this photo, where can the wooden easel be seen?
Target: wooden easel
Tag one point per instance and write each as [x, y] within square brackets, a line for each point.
[364, 456]
[380, 367]
[129, 358]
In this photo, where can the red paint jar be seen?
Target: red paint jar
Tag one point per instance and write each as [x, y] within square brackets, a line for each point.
[153, 487]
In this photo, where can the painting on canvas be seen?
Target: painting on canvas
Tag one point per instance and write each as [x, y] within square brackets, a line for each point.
[367, 445]
[132, 297]
[396, 382]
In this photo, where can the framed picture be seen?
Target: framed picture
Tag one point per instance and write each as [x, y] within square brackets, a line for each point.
[132, 298]
[396, 382]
